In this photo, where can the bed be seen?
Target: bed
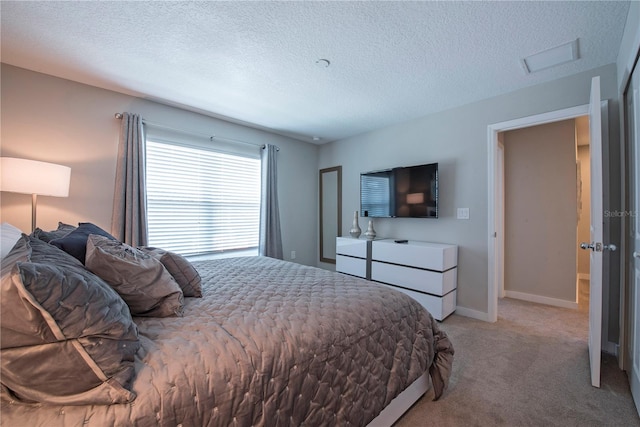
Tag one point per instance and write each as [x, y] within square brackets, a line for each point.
[269, 343]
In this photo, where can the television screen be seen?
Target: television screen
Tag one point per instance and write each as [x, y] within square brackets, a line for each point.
[404, 192]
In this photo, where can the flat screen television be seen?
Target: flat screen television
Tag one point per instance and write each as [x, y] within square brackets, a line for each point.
[403, 192]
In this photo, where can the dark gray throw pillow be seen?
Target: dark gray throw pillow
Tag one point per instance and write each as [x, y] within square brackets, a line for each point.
[66, 337]
[75, 243]
[140, 279]
[181, 269]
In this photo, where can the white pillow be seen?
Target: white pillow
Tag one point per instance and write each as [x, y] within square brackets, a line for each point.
[9, 235]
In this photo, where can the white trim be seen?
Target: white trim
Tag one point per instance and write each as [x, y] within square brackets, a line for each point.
[493, 279]
[543, 118]
[401, 403]
[541, 300]
[606, 224]
[495, 176]
[499, 239]
[473, 314]
[611, 348]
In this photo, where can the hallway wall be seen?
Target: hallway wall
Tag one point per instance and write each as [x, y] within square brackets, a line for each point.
[541, 211]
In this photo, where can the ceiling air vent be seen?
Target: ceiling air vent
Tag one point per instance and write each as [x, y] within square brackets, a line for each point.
[551, 57]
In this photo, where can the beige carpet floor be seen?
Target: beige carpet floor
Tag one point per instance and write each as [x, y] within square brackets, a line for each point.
[531, 368]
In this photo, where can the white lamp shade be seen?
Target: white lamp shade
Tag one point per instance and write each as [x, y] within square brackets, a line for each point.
[33, 177]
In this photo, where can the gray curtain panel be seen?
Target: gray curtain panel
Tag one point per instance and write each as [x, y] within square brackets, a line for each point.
[270, 236]
[129, 219]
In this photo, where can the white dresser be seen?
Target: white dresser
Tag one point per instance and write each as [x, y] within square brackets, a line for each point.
[353, 256]
[428, 272]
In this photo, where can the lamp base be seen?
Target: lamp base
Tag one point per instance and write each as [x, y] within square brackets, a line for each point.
[34, 204]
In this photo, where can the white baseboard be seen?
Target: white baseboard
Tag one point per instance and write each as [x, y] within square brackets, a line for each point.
[474, 314]
[542, 300]
[584, 276]
[611, 348]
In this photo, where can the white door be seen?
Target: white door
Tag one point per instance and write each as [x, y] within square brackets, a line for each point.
[596, 247]
[634, 192]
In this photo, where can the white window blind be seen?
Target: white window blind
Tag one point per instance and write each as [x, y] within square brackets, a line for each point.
[201, 201]
[375, 195]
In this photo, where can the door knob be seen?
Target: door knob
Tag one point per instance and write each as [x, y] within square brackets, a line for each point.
[598, 247]
[636, 254]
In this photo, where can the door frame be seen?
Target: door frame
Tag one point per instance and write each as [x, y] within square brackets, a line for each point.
[495, 239]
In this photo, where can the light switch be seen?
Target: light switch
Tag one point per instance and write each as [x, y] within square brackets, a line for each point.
[463, 213]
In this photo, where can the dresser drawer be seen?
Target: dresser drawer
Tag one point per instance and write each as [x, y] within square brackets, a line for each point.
[439, 307]
[351, 265]
[431, 282]
[430, 256]
[351, 246]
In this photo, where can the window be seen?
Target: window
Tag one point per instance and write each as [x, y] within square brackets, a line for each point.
[200, 201]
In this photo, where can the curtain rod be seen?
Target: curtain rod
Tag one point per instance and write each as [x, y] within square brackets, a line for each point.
[190, 132]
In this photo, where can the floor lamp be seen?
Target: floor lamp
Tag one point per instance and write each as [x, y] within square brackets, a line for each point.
[35, 178]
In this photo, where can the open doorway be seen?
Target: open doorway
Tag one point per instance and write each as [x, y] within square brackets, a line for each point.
[496, 194]
[546, 213]
[597, 111]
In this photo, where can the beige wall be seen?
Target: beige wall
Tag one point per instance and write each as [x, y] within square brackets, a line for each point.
[50, 119]
[541, 211]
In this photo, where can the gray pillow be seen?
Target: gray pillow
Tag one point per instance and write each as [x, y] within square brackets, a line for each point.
[181, 269]
[47, 236]
[65, 336]
[140, 279]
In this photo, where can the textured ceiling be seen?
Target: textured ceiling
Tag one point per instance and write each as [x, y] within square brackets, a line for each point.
[255, 62]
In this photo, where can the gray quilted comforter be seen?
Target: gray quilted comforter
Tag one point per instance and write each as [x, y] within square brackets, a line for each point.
[271, 343]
